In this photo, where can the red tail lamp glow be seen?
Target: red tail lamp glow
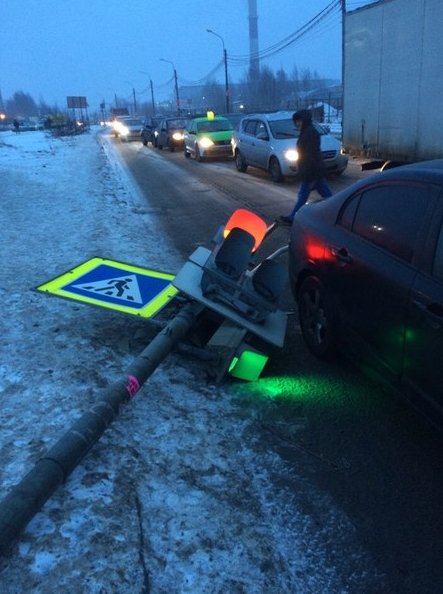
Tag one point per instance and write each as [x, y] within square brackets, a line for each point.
[248, 221]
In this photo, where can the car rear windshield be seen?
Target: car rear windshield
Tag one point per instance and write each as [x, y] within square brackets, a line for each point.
[214, 126]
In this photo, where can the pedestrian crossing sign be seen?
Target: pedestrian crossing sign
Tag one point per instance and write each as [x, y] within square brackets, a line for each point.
[115, 285]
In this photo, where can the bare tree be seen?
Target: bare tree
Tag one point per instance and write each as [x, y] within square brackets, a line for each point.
[21, 105]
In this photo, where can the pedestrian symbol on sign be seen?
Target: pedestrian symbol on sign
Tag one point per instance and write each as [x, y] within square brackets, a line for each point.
[124, 287]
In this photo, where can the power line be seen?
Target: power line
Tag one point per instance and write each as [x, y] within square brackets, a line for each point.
[278, 47]
[325, 17]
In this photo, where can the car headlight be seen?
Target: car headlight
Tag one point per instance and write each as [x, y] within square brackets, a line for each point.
[205, 142]
[178, 136]
[291, 155]
[124, 131]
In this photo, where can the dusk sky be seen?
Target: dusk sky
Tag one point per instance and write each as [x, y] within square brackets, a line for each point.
[52, 49]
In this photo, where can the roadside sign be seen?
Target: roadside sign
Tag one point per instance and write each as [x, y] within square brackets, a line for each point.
[115, 285]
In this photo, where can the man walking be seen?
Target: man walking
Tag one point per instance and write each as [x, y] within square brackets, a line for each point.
[311, 169]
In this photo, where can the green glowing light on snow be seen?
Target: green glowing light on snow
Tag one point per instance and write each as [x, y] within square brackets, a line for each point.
[297, 389]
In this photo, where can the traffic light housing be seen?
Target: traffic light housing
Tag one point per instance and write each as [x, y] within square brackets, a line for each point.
[242, 293]
[229, 275]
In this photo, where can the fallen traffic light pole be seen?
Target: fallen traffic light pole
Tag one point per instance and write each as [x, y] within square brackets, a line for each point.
[27, 498]
[219, 281]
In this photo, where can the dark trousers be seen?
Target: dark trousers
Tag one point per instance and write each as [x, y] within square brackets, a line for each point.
[306, 188]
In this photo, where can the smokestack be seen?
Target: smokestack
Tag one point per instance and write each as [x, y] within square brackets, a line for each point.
[254, 64]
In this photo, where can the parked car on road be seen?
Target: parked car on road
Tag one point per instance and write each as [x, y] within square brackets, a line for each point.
[117, 122]
[171, 133]
[208, 137]
[366, 269]
[268, 141]
[130, 129]
[150, 126]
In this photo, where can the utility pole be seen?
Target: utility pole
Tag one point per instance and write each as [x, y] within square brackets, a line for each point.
[225, 58]
[177, 98]
[135, 102]
[176, 91]
[152, 90]
[226, 80]
[152, 97]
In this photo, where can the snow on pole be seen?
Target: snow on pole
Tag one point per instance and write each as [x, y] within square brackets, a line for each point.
[27, 497]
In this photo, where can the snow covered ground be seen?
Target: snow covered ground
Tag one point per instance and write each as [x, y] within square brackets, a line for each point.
[180, 495]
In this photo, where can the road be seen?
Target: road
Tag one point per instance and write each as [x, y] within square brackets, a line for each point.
[379, 461]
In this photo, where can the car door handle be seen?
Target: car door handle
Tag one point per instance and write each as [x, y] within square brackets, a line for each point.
[341, 254]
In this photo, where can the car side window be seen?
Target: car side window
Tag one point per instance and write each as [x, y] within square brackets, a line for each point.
[250, 127]
[261, 130]
[391, 216]
[347, 214]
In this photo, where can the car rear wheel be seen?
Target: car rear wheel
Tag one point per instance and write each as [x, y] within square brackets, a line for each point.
[186, 153]
[317, 320]
[240, 162]
[198, 156]
[275, 170]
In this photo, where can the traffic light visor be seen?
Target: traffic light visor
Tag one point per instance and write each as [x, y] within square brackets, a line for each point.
[248, 221]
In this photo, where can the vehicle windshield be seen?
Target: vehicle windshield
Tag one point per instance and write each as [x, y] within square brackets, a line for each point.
[283, 129]
[214, 126]
[178, 124]
[286, 129]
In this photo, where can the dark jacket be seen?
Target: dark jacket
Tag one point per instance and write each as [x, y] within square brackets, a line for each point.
[310, 163]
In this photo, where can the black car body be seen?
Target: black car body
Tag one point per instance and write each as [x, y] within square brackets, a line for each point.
[366, 268]
[170, 133]
[149, 128]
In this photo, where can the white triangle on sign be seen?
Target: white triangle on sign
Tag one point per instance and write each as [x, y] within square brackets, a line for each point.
[122, 287]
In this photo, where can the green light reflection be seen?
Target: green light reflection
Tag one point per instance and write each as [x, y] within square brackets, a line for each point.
[302, 388]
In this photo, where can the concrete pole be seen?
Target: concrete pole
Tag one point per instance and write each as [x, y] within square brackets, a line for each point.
[177, 98]
[135, 101]
[152, 97]
[225, 55]
[27, 498]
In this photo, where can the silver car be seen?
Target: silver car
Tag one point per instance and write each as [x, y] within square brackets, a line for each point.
[268, 141]
[130, 129]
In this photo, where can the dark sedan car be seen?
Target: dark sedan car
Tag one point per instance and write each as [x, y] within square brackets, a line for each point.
[170, 133]
[149, 130]
[366, 269]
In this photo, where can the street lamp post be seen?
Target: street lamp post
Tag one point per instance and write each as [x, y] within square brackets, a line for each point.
[225, 57]
[177, 98]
